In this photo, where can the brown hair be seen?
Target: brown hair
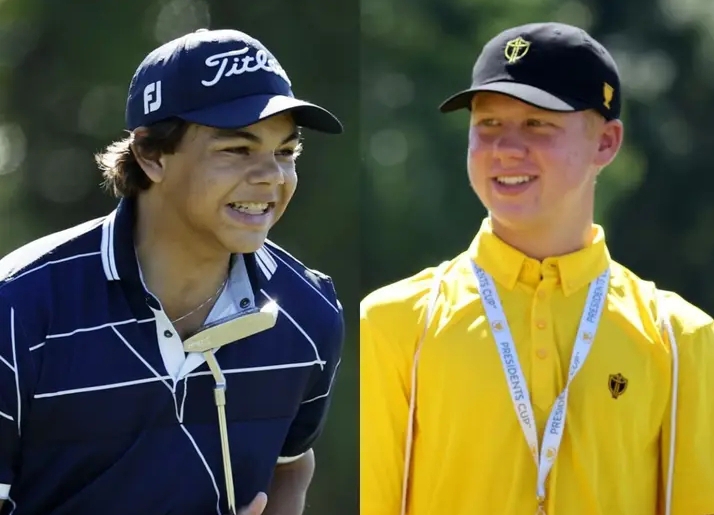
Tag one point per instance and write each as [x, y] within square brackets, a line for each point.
[123, 176]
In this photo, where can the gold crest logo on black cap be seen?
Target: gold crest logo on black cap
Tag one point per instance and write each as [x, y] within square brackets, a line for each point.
[607, 93]
[516, 49]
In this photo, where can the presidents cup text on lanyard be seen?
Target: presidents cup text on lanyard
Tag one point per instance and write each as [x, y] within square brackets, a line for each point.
[553, 434]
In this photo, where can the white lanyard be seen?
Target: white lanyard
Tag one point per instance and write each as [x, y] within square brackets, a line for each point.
[553, 434]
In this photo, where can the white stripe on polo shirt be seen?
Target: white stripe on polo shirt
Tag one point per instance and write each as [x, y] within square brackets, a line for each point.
[28, 254]
[301, 276]
[107, 249]
[297, 326]
[329, 387]
[266, 263]
[4, 361]
[153, 379]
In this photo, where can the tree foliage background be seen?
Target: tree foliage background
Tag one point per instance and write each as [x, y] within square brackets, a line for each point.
[65, 68]
[655, 201]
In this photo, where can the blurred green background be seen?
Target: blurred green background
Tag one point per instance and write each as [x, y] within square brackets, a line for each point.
[65, 67]
[655, 201]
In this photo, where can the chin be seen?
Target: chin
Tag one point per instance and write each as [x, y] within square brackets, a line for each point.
[245, 243]
[512, 216]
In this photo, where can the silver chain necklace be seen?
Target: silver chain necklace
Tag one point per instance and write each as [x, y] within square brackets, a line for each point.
[203, 303]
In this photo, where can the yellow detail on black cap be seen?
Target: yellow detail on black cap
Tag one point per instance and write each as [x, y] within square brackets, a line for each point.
[516, 49]
[607, 92]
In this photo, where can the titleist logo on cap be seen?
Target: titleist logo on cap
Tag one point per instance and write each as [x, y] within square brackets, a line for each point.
[242, 64]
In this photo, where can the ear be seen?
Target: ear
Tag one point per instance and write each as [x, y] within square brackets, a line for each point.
[609, 142]
[152, 164]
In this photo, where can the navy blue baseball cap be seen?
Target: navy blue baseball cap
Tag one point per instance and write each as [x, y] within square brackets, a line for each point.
[553, 66]
[219, 78]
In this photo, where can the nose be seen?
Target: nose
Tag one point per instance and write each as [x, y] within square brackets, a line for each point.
[268, 171]
[509, 146]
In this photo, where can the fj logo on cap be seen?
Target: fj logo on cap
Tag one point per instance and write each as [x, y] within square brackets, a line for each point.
[152, 97]
[516, 49]
[242, 64]
[617, 385]
[607, 92]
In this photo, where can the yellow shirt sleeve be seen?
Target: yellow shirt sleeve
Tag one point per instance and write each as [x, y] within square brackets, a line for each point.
[693, 478]
[390, 323]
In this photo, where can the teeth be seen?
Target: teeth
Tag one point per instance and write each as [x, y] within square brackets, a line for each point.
[519, 179]
[251, 208]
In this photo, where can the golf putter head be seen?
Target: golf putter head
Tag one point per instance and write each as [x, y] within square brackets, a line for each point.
[227, 330]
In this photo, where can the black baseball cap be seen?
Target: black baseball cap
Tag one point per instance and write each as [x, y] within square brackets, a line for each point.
[219, 78]
[553, 66]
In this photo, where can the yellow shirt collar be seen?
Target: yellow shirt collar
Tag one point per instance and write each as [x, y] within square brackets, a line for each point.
[509, 266]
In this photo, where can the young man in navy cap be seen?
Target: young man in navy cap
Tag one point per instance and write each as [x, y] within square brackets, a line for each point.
[101, 410]
[532, 373]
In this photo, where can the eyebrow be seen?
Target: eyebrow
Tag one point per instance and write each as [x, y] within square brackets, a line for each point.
[247, 135]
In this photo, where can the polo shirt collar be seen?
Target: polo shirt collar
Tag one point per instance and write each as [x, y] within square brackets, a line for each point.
[509, 266]
[119, 258]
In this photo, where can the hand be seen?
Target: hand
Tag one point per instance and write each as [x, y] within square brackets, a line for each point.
[256, 507]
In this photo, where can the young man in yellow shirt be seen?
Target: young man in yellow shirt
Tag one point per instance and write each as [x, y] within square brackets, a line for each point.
[532, 373]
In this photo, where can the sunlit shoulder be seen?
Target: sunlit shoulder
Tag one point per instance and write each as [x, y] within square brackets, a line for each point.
[407, 295]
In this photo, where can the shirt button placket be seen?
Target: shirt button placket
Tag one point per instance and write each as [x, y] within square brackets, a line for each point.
[542, 362]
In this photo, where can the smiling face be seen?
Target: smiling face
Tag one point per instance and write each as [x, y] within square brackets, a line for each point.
[531, 167]
[226, 188]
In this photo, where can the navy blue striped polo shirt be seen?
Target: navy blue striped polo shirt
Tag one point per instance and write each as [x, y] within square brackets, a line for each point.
[101, 412]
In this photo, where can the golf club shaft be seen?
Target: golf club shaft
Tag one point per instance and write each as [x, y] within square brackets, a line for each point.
[220, 398]
[220, 395]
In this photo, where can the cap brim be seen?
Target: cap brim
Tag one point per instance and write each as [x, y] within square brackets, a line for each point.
[523, 92]
[246, 111]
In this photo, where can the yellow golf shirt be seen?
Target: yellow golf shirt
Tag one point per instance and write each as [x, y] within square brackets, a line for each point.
[469, 453]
